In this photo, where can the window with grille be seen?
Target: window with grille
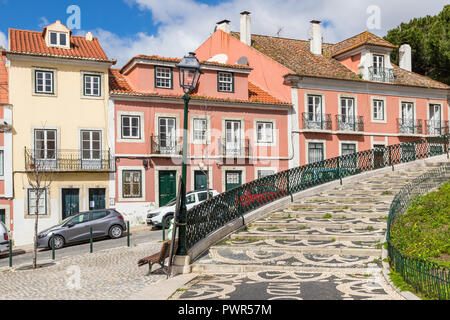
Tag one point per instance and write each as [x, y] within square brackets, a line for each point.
[131, 127]
[265, 132]
[315, 152]
[265, 173]
[163, 77]
[42, 204]
[44, 82]
[132, 184]
[225, 82]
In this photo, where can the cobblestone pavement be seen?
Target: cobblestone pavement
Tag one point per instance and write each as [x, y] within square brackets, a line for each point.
[326, 246]
[111, 274]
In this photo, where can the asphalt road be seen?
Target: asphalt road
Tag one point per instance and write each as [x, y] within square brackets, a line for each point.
[19, 257]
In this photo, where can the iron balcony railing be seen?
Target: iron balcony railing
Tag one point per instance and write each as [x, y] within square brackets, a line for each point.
[235, 148]
[350, 123]
[436, 128]
[424, 276]
[316, 121]
[165, 145]
[381, 75]
[215, 213]
[409, 126]
[63, 160]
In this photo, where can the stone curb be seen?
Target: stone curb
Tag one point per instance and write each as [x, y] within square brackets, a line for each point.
[386, 270]
[164, 289]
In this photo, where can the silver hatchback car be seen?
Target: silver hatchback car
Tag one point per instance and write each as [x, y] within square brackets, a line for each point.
[106, 222]
[4, 239]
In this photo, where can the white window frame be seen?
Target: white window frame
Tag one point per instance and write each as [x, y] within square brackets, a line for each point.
[161, 74]
[225, 82]
[372, 108]
[130, 119]
[203, 131]
[87, 76]
[308, 141]
[265, 126]
[44, 79]
[120, 184]
[258, 169]
[31, 205]
[141, 115]
[58, 39]
[2, 163]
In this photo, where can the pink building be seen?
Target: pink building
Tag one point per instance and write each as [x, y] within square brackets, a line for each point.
[237, 131]
[6, 194]
[346, 97]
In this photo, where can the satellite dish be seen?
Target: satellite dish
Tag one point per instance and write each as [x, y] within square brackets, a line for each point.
[242, 61]
[220, 58]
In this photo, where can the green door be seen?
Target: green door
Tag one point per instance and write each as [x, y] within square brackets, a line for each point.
[201, 180]
[3, 215]
[97, 199]
[233, 179]
[167, 187]
[70, 202]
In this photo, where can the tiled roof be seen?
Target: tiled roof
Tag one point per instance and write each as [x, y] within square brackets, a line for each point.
[119, 85]
[295, 55]
[177, 60]
[364, 38]
[33, 43]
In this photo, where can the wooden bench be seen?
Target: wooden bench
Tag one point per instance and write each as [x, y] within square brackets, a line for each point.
[159, 257]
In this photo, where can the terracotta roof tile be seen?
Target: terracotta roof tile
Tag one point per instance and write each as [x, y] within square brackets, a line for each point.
[295, 55]
[33, 43]
[177, 60]
[119, 85]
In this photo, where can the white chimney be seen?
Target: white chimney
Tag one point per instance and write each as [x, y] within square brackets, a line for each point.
[224, 25]
[405, 57]
[89, 36]
[246, 36]
[315, 37]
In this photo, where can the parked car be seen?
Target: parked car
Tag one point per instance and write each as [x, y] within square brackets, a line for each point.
[4, 239]
[106, 222]
[165, 214]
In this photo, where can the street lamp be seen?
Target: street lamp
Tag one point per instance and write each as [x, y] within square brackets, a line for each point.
[190, 71]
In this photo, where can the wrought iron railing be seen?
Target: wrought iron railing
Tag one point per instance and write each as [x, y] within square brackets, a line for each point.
[409, 126]
[350, 123]
[436, 128]
[235, 148]
[218, 211]
[316, 121]
[166, 145]
[381, 75]
[63, 160]
[424, 276]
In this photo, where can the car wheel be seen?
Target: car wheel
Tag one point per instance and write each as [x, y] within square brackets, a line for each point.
[167, 221]
[115, 232]
[59, 242]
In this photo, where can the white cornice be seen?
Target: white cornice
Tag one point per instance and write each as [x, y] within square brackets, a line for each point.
[59, 60]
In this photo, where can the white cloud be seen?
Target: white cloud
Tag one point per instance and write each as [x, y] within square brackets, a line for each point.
[184, 24]
[3, 40]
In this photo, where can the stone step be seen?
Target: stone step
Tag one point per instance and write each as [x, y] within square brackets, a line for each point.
[334, 215]
[297, 236]
[334, 224]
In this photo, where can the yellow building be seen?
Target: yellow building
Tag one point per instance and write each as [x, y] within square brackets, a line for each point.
[59, 93]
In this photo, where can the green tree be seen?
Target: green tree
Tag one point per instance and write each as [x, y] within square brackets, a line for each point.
[430, 43]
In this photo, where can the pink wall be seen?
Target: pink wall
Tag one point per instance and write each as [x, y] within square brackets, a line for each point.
[352, 62]
[266, 74]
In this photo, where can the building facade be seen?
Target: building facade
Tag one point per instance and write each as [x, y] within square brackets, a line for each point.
[59, 92]
[347, 96]
[6, 192]
[237, 132]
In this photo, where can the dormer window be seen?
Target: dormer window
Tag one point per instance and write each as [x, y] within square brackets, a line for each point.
[225, 82]
[58, 39]
[163, 78]
[378, 64]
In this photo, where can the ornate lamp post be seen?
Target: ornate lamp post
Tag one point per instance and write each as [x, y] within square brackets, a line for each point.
[190, 72]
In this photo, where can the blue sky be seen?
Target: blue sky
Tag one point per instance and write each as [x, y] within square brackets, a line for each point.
[174, 27]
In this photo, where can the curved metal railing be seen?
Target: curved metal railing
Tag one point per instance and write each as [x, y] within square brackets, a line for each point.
[424, 276]
[233, 204]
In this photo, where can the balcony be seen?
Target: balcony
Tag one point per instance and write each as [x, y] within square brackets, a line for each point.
[409, 126]
[436, 128]
[349, 124]
[315, 122]
[235, 148]
[381, 75]
[69, 161]
[165, 145]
